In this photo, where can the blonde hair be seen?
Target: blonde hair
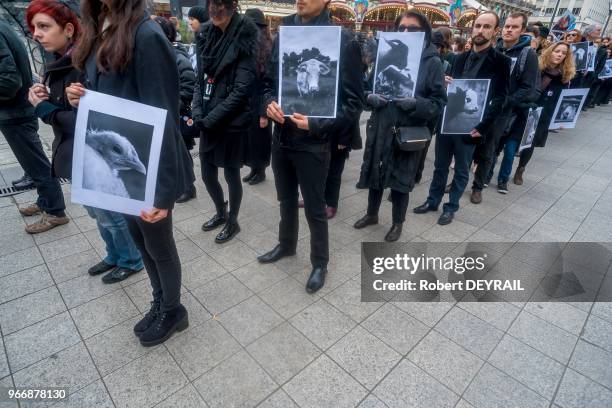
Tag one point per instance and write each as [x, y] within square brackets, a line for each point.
[567, 67]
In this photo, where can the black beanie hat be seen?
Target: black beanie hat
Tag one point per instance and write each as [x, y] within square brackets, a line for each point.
[200, 13]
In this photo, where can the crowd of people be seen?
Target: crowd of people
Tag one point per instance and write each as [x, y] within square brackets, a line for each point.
[223, 90]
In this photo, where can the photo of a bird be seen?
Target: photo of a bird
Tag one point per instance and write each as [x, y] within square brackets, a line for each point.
[107, 153]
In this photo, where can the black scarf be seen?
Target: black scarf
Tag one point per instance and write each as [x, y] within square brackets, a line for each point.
[217, 45]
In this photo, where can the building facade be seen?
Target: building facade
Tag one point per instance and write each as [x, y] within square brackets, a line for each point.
[587, 12]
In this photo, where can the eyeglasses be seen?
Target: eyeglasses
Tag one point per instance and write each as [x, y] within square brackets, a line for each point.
[410, 28]
[572, 34]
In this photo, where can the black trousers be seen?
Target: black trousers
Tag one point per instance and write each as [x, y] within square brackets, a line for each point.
[25, 143]
[158, 249]
[334, 177]
[484, 156]
[308, 170]
[210, 175]
[399, 201]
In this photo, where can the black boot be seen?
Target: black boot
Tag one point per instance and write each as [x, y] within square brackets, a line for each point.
[228, 232]
[23, 183]
[148, 318]
[259, 176]
[316, 279]
[187, 195]
[164, 326]
[365, 221]
[274, 255]
[394, 233]
[217, 220]
[249, 176]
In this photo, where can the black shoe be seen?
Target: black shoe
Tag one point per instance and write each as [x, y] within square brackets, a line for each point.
[187, 195]
[446, 218]
[274, 255]
[228, 232]
[24, 183]
[118, 274]
[217, 220]
[316, 279]
[249, 176]
[394, 233]
[424, 208]
[502, 188]
[365, 221]
[257, 178]
[164, 326]
[148, 318]
[99, 268]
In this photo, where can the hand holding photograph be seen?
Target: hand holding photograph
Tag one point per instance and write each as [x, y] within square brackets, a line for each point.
[568, 108]
[466, 105]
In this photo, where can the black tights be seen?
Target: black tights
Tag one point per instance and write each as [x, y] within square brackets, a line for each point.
[525, 156]
[210, 175]
[399, 200]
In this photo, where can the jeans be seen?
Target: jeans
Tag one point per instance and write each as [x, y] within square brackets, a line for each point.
[120, 248]
[506, 165]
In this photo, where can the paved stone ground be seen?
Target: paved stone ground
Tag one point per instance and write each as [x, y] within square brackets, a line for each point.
[257, 339]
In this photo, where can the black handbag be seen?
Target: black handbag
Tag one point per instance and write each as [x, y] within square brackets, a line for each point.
[411, 138]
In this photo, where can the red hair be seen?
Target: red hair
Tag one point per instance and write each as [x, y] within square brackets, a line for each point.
[57, 11]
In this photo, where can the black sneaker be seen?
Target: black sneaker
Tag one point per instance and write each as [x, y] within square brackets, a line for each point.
[99, 268]
[148, 318]
[119, 274]
[164, 326]
[502, 188]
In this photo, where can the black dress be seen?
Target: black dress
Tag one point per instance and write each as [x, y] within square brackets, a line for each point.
[259, 140]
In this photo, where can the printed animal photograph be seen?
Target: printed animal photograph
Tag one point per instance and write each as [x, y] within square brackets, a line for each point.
[397, 64]
[591, 58]
[581, 55]
[309, 61]
[568, 108]
[530, 129]
[466, 104]
[607, 71]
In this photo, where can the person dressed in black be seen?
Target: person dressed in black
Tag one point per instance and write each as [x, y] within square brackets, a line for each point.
[301, 146]
[259, 140]
[226, 47]
[19, 125]
[384, 164]
[482, 62]
[125, 54]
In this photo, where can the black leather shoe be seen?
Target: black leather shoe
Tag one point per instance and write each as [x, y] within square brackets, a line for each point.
[394, 233]
[148, 318]
[164, 326]
[228, 232]
[187, 195]
[23, 183]
[316, 279]
[119, 274]
[99, 268]
[274, 255]
[257, 178]
[365, 221]
[249, 176]
[446, 218]
[424, 208]
[216, 221]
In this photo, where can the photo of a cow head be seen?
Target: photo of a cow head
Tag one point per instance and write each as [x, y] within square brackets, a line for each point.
[466, 104]
[308, 75]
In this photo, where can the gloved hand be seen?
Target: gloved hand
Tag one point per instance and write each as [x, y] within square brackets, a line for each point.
[406, 104]
[199, 123]
[376, 101]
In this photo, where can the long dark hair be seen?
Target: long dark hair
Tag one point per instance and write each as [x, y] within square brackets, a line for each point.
[423, 22]
[115, 44]
[265, 49]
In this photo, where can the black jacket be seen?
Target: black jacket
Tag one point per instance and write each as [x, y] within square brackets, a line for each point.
[152, 78]
[350, 96]
[186, 79]
[495, 67]
[548, 101]
[384, 165]
[15, 78]
[58, 113]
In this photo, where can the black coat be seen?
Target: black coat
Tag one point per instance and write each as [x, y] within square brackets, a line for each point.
[384, 165]
[186, 79]
[226, 117]
[495, 67]
[58, 113]
[350, 96]
[152, 78]
[548, 101]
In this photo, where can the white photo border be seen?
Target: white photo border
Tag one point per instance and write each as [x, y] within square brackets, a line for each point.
[488, 81]
[568, 92]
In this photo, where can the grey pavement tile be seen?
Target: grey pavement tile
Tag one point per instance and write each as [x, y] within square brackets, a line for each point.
[283, 352]
[428, 313]
[598, 332]
[347, 298]
[85, 223]
[288, 297]
[24, 282]
[4, 368]
[492, 388]
[18, 261]
[593, 362]
[322, 324]
[603, 310]
[64, 247]
[188, 251]
[94, 395]
[372, 402]
[234, 256]
[250, 384]
[257, 276]
[577, 391]
[279, 399]
[364, 356]
[250, 320]
[19, 241]
[222, 293]
[560, 314]
[200, 348]
[470, 332]
[197, 313]
[83, 289]
[57, 233]
[39, 341]
[8, 383]
[145, 381]
[116, 347]
[396, 328]
[187, 397]
[446, 361]
[72, 266]
[259, 241]
[100, 314]
[71, 368]
[499, 314]
[464, 404]
[343, 266]
[543, 336]
[200, 271]
[323, 384]
[30, 309]
[409, 386]
[527, 365]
